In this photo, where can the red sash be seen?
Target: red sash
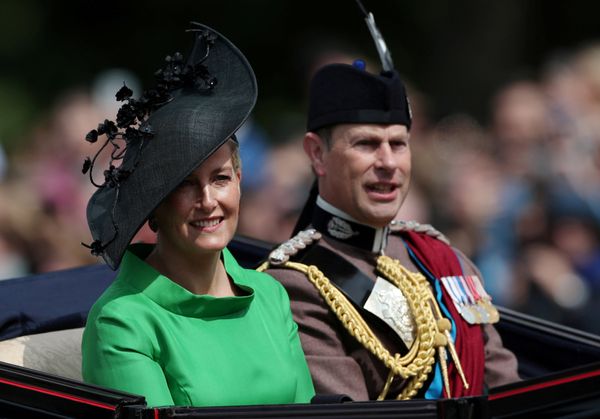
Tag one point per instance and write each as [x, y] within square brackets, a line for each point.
[442, 261]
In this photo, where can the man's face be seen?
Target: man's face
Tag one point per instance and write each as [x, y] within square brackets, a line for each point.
[365, 171]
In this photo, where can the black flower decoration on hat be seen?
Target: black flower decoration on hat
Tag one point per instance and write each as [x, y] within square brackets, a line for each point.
[131, 127]
[124, 93]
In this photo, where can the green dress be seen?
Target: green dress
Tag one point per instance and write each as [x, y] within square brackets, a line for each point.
[149, 336]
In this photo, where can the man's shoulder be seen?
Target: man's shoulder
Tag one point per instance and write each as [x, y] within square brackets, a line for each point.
[282, 262]
[268, 280]
[286, 276]
[400, 227]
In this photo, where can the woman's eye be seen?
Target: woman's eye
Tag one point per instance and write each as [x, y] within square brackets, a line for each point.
[222, 179]
[186, 182]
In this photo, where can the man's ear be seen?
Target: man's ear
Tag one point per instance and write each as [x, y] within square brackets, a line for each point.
[315, 149]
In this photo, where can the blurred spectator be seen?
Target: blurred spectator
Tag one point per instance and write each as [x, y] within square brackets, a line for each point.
[255, 153]
[3, 163]
[270, 213]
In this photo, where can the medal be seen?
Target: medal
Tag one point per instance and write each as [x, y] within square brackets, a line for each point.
[486, 300]
[470, 299]
[459, 298]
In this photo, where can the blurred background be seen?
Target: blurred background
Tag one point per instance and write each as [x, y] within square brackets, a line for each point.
[506, 135]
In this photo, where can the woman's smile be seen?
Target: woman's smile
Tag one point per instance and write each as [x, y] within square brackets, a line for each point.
[207, 225]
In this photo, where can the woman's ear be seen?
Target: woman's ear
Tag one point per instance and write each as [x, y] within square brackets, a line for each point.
[315, 149]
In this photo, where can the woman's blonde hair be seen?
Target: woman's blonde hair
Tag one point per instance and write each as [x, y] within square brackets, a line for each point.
[236, 159]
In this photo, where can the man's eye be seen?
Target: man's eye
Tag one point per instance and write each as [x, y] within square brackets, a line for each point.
[398, 145]
[366, 143]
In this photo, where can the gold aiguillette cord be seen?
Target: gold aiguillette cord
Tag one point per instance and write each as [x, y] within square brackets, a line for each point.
[444, 326]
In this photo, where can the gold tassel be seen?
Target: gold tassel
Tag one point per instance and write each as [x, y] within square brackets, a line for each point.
[444, 326]
[386, 388]
[456, 360]
[441, 341]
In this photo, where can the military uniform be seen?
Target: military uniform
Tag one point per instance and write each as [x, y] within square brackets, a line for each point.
[339, 364]
[382, 312]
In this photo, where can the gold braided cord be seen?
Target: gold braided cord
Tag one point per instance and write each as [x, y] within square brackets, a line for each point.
[263, 266]
[417, 291]
[416, 365]
[445, 340]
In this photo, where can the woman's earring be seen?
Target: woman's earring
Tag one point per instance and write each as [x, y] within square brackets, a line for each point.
[152, 224]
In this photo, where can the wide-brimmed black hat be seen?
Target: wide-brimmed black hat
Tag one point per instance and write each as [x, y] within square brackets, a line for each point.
[343, 93]
[213, 94]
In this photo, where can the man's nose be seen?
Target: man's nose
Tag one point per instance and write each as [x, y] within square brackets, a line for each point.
[385, 157]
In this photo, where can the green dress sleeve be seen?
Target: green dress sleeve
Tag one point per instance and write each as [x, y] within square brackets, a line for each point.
[114, 351]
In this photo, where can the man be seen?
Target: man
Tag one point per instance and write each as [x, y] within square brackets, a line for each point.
[385, 309]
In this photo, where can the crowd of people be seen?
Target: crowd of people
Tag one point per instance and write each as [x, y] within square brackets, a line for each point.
[519, 194]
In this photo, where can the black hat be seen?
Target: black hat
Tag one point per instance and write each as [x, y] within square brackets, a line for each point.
[206, 100]
[342, 93]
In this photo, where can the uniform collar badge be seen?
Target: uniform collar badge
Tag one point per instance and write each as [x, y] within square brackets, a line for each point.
[337, 224]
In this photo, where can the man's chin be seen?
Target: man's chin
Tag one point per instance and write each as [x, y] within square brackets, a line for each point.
[378, 219]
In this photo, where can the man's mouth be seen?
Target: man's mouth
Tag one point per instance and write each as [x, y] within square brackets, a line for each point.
[381, 188]
[382, 191]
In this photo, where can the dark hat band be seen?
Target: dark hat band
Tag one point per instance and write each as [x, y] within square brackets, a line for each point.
[365, 116]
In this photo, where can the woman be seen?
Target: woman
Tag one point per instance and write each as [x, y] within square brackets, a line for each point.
[183, 323]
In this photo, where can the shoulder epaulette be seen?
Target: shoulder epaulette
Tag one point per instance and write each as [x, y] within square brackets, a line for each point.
[281, 254]
[428, 229]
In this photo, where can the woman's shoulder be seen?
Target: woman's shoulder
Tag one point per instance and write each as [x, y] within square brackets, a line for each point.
[120, 300]
[249, 277]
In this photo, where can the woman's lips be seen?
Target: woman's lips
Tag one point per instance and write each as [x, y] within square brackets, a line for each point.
[207, 225]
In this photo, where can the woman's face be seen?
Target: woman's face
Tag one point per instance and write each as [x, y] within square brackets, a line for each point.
[201, 214]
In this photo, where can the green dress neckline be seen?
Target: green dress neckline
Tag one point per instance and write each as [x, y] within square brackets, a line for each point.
[175, 298]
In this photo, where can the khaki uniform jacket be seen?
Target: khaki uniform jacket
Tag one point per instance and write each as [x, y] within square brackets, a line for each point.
[338, 363]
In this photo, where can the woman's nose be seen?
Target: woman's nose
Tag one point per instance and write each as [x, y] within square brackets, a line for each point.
[207, 201]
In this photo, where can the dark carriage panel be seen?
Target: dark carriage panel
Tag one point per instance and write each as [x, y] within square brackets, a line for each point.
[544, 347]
[467, 408]
[570, 393]
[573, 393]
[50, 301]
[28, 393]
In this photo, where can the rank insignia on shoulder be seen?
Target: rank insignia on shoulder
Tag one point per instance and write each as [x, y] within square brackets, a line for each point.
[470, 299]
[281, 254]
[402, 225]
